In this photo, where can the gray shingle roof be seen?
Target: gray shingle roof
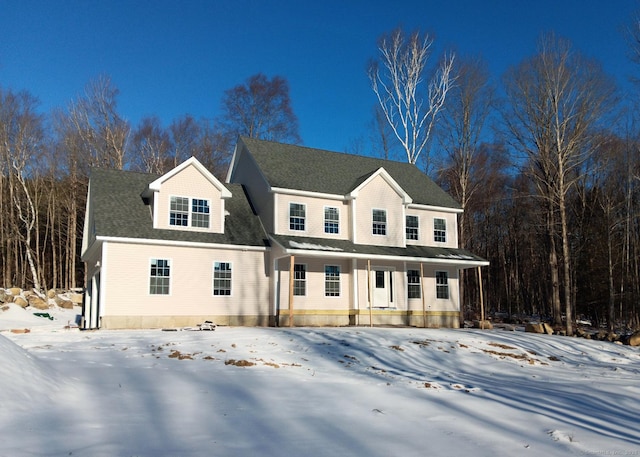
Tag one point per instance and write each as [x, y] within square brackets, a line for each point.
[325, 245]
[316, 170]
[119, 211]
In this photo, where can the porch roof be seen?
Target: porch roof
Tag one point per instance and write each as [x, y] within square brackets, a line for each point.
[331, 248]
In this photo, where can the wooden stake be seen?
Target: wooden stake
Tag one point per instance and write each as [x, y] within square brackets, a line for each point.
[291, 280]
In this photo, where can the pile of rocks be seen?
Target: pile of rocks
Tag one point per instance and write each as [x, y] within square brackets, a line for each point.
[632, 339]
[38, 300]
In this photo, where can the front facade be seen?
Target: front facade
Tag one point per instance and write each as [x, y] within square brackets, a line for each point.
[295, 236]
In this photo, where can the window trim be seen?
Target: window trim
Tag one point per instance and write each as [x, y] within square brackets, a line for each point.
[229, 279]
[190, 212]
[442, 287]
[150, 276]
[414, 286]
[378, 226]
[439, 234]
[416, 228]
[302, 220]
[330, 280]
[302, 281]
[327, 221]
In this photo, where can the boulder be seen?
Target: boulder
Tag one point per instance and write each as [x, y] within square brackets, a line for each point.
[534, 328]
[547, 329]
[51, 293]
[37, 302]
[486, 325]
[63, 303]
[76, 298]
[634, 339]
[3, 296]
[20, 301]
[15, 291]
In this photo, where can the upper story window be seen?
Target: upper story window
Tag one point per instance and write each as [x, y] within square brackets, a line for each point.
[221, 278]
[297, 216]
[179, 211]
[379, 222]
[412, 227]
[159, 277]
[442, 284]
[331, 220]
[440, 230]
[179, 214]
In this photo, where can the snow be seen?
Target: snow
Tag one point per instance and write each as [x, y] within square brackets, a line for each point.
[354, 391]
[312, 246]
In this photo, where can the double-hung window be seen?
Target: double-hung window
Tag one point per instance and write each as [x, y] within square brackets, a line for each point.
[412, 227]
[159, 277]
[297, 216]
[413, 282]
[299, 279]
[221, 278]
[442, 285]
[440, 230]
[332, 280]
[331, 220]
[185, 211]
[379, 222]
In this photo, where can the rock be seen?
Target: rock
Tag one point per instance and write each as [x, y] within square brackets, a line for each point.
[611, 337]
[76, 298]
[20, 301]
[37, 302]
[486, 325]
[534, 328]
[15, 291]
[20, 330]
[63, 303]
[634, 339]
[51, 293]
[547, 329]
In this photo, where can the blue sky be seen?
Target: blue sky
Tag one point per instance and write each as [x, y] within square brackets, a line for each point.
[170, 58]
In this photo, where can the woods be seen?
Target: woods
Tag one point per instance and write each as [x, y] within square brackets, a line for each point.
[544, 162]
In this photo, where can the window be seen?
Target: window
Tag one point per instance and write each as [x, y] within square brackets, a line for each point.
[296, 216]
[412, 227]
[413, 282]
[159, 277]
[299, 279]
[200, 213]
[379, 222]
[331, 220]
[442, 285]
[179, 211]
[332, 281]
[440, 230]
[221, 278]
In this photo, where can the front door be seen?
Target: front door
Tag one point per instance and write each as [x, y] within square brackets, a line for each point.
[382, 282]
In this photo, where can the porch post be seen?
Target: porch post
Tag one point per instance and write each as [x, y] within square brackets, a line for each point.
[369, 293]
[424, 311]
[481, 298]
[291, 262]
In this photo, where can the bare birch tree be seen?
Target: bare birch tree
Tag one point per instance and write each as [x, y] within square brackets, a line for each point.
[398, 80]
[557, 100]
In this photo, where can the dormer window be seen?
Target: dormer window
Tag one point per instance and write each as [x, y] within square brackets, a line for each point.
[180, 216]
[379, 222]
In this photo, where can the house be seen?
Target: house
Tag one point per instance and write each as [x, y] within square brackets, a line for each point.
[295, 236]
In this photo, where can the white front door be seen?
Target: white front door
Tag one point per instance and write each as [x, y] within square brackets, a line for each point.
[382, 283]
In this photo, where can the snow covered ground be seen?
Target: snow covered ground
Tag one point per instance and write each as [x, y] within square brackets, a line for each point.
[311, 392]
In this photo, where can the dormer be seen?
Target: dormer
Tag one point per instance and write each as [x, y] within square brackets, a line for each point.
[188, 197]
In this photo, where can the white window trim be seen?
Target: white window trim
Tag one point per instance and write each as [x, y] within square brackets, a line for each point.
[448, 285]
[445, 229]
[170, 263]
[419, 283]
[306, 280]
[213, 278]
[324, 220]
[386, 222]
[406, 227]
[324, 280]
[189, 213]
[289, 217]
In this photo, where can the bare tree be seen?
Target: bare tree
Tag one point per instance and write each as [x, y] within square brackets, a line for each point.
[260, 108]
[150, 147]
[557, 100]
[398, 78]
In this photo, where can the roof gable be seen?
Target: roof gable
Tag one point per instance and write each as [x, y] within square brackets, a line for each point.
[288, 166]
[155, 185]
[381, 172]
